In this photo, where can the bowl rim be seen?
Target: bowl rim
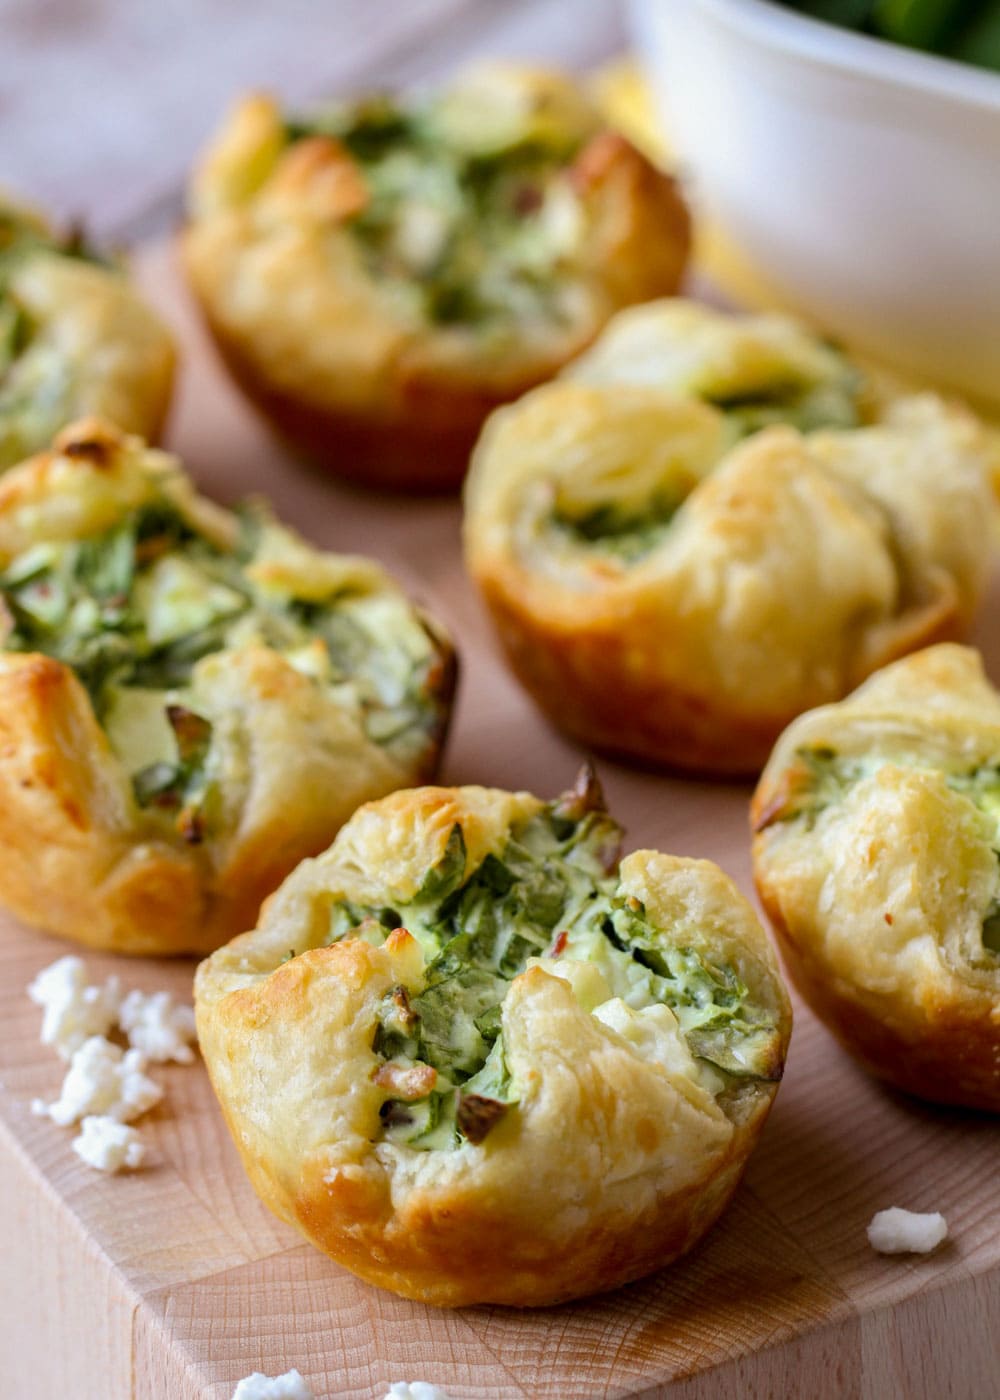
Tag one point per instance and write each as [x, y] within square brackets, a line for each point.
[830, 46]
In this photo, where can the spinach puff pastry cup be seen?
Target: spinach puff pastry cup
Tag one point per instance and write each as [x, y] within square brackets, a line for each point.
[380, 275]
[190, 701]
[475, 1060]
[877, 858]
[679, 558]
[75, 339]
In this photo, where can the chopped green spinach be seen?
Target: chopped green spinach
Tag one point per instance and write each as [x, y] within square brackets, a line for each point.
[630, 534]
[552, 891]
[807, 405]
[133, 609]
[182, 786]
[817, 779]
[469, 236]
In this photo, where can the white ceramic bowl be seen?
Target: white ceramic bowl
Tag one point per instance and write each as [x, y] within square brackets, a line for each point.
[861, 179]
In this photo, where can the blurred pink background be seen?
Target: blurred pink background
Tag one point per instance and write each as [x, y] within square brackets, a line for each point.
[103, 103]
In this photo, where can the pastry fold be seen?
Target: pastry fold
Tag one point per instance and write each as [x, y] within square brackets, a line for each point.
[75, 339]
[190, 701]
[679, 556]
[379, 276]
[475, 1060]
[877, 826]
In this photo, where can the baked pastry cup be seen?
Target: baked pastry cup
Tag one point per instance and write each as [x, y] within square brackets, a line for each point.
[477, 1061]
[75, 339]
[378, 276]
[673, 581]
[877, 828]
[190, 701]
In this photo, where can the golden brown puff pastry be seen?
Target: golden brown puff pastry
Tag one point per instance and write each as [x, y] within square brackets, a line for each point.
[877, 857]
[477, 1061]
[190, 701]
[671, 584]
[75, 339]
[380, 275]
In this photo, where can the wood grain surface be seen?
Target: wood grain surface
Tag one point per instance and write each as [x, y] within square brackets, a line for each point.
[172, 1283]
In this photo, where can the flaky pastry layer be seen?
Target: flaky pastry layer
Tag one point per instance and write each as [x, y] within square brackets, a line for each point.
[675, 570]
[875, 856]
[175, 731]
[315, 294]
[612, 1152]
[79, 341]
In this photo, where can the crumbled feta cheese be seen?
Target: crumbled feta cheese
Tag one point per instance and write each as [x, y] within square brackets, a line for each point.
[109, 1145]
[290, 1386]
[159, 1027]
[74, 1011]
[415, 1390]
[421, 234]
[562, 221]
[102, 1079]
[898, 1231]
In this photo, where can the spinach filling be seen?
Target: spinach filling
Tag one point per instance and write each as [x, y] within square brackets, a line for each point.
[627, 533]
[552, 891]
[182, 786]
[806, 405]
[630, 532]
[467, 235]
[820, 778]
[132, 610]
[35, 392]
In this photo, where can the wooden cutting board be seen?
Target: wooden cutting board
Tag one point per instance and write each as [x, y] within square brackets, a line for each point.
[173, 1283]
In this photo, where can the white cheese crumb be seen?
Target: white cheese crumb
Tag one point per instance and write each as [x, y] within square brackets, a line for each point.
[102, 1079]
[421, 235]
[73, 1010]
[158, 1026]
[290, 1386]
[414, 1390]
[108, 1145]
[562, 221]
[898, 1231]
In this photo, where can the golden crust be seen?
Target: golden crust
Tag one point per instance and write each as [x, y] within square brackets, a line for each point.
[795, 565]
[78, 856]
[879, 897]
[96, 349]
[612, 1164]
[351, 375]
